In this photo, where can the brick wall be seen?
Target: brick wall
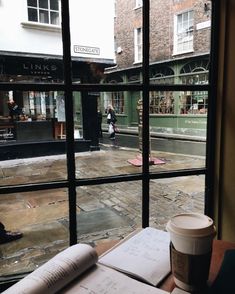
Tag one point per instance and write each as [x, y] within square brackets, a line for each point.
[161, 28]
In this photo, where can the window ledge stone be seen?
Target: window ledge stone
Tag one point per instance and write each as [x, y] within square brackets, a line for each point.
[40, 26]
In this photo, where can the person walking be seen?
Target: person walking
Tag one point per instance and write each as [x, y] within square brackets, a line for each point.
[111, 121]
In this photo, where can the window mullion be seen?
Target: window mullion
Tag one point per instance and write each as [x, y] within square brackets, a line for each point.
[145, 132]
[69, 121]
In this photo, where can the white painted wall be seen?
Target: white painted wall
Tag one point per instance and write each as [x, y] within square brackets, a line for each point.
[91, 25]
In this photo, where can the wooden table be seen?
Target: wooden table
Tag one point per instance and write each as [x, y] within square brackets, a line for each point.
[219, 247]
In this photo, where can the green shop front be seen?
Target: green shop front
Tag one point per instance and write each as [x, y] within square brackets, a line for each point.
[172, 113]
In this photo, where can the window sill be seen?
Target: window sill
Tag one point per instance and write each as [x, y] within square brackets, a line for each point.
[137, 62]
[183, 52]
[137, 7]
[40, 26]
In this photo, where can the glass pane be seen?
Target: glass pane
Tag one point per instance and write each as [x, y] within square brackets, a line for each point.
[42, 217]
[30, 69]
[54, 4]
[36, 64]
[32, 132]
[94, 115]
[43, 16]
[93, 43]
[178, 122]
[37, 168]
[177, 125]
[169, 197]
[32, 3]
[32, 14]
[43, 4]
[108, 212]
[184, 46]
[55, 20]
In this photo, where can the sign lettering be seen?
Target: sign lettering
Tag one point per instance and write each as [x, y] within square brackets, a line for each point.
[86, 50]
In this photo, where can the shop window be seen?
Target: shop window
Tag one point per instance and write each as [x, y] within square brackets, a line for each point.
[194, 73]
[44, 11]
[138, 44]
[183, 32]
[39, 105]
[116, 99]
[194, 102]
[161, 102]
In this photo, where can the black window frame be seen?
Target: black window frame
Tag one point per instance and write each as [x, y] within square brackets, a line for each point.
[71, 183]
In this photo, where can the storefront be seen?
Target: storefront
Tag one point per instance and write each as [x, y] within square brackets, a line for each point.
[174, 113]
[35, 116]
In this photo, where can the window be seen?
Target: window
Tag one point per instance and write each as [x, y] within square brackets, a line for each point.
[44, 11]
[116, 99]
[194, 73]
[161, 102]
[183, 37]
[138, 44]
[40, 105]
[138, 3]
[70, 183]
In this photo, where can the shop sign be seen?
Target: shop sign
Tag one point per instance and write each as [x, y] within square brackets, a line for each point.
[39, 68]
[32, 66]
[86, 50]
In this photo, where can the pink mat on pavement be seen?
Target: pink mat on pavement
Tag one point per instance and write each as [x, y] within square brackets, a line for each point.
[152, 161]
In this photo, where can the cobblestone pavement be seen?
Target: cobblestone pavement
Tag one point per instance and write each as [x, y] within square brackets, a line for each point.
[104, 212]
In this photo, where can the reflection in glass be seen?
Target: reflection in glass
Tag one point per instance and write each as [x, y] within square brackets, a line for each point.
[42, 217]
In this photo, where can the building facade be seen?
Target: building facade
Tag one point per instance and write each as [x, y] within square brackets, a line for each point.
[31, 52]
[179, 54]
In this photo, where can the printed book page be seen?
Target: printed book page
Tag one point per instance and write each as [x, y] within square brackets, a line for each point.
[57, 272]
[104, 280]
[145, 255]
[179, 291]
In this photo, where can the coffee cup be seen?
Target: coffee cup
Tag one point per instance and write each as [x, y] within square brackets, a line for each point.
[191, 236]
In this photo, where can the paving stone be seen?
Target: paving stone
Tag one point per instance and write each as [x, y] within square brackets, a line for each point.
[105, 212]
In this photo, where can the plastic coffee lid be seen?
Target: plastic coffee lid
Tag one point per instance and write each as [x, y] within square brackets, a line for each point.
[191, 224]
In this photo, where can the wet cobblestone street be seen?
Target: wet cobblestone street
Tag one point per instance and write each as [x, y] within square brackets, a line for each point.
[104, 212]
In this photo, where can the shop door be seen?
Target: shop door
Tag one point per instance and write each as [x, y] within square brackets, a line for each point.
[135, 96]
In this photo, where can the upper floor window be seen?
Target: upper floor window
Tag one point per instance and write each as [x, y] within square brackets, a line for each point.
[183, 36]
[44, 11]
[138, 44]
[138, 3]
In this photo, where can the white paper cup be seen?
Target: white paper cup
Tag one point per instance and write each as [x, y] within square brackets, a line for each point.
[191, 237]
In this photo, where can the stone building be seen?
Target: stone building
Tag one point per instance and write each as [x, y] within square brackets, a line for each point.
[179, 54]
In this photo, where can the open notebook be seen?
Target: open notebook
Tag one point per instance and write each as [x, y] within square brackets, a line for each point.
[145, 256]
[77, 269]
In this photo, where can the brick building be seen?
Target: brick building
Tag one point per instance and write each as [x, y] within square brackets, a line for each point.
[179, 54]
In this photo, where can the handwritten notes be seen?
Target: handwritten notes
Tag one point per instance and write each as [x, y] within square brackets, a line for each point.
[145, 256]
